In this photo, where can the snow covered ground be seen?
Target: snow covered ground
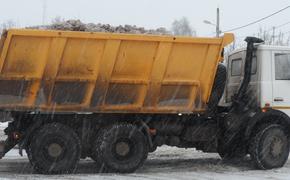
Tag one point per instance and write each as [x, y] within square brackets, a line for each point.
[166, 163]
[2, 134]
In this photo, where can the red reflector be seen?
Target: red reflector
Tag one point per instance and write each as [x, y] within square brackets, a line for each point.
[152, 132]
[267, 104]
[16, 135]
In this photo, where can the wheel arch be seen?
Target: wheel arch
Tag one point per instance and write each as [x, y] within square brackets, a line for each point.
[146, 131]
[29, 134]
[138, 122]
[271, 116]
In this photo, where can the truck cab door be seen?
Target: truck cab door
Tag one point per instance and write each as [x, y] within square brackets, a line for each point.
[281, 80]
[234, 76]
[236, 63]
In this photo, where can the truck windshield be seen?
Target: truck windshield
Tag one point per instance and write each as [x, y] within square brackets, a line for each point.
[282, 66]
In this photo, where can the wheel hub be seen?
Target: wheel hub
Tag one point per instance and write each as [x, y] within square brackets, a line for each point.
[276, 147]
[122, 148]
[54, 150]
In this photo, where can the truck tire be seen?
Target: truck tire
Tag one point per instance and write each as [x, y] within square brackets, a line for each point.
[217, 90]
[95, 149]
[54, 149]
[28, 153]
[122, 148]
[153, 149]
[269, 146]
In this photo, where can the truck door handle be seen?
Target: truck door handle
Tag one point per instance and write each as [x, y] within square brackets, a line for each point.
[278, 99]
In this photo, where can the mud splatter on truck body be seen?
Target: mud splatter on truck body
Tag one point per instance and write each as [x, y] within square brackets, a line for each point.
[66, 71]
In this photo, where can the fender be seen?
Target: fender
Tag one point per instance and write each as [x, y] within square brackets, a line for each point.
[29, 132]
[270, 116]
[146, 131]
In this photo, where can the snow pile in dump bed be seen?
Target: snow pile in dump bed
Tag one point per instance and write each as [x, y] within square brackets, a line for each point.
[77, 25]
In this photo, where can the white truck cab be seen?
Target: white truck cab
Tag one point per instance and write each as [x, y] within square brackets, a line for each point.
[270, 77]
[255, 108]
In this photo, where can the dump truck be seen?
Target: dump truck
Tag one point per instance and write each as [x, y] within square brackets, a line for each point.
[117, 97]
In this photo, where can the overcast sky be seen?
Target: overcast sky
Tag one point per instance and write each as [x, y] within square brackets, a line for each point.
[151, 13]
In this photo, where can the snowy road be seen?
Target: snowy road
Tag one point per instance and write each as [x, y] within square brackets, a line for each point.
[166, 163]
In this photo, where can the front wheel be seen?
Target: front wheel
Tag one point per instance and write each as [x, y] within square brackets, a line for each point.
[269, 147]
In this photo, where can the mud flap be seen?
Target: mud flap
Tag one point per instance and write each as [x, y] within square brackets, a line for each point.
[6, 146]
[2, 147]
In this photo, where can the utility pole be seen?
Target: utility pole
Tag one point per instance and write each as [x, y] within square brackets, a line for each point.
[44, 12]
[218, 22]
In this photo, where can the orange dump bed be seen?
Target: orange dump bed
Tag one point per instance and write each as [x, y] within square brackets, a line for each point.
[102, 72]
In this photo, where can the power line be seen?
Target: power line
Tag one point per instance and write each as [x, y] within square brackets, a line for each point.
[283, 25]
[277, 27]
[286, 32]
[237, 38]
[268, 30]
[259, 20]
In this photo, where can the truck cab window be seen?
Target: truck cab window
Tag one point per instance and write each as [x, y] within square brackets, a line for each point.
[282, 66]
[236, 67]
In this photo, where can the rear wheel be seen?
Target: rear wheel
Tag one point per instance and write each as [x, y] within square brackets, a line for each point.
[95, 149]
[269, 146]
[28, 153]
[55, 148]
[153, 149]
[122, 148]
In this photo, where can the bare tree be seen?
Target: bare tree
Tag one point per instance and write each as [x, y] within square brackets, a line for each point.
[182, 27]
[271, 38]
[7, 25]
[57, 19]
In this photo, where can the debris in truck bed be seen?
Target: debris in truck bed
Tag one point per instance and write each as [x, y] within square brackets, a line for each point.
[77, 25]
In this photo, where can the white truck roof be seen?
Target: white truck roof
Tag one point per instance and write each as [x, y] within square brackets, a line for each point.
[265, 47]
